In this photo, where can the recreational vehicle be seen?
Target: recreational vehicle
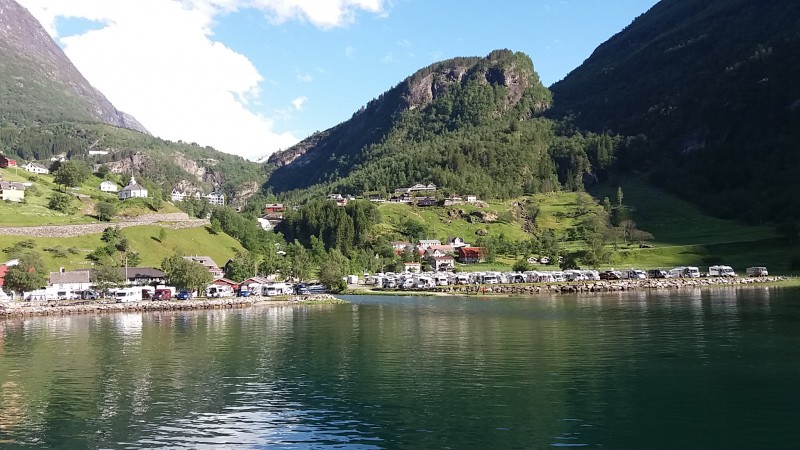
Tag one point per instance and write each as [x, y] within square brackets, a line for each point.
[128, 295]
[721, 271]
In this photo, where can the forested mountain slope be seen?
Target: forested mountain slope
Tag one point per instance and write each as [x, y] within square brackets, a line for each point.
[466, 124]
[710, 89]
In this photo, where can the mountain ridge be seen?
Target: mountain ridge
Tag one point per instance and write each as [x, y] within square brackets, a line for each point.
[45, 79]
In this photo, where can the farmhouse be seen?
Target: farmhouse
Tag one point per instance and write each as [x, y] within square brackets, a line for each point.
[33, 167]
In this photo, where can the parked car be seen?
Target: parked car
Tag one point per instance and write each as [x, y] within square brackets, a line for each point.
[243, 292]
[184, 295]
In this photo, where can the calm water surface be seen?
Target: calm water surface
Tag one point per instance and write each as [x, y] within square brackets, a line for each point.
[704, 369]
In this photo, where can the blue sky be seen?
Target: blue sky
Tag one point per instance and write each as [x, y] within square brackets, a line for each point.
[252, 76]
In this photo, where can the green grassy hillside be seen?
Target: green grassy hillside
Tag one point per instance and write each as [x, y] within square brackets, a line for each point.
[71, 253]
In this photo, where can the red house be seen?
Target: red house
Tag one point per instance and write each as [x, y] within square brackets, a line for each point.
[471, 255]
[7, 162]
[274, 208]
[226, 282]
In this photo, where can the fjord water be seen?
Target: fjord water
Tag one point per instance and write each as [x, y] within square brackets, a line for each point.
[716, 368]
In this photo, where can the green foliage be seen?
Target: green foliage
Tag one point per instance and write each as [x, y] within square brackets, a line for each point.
[28, 275]
[105, 210]
[107, 276]
[521, 265]
[185, 274]
[345, 229]
[71, 174]
[62, 203]
[477, 135]
[299, 261]
[242, 266]
[333, 271]
[710, 123]
[19, 248]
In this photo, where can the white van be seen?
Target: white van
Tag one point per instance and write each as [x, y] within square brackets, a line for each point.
[721, 271]
[128, 295]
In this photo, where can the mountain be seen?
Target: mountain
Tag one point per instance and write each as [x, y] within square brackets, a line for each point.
[708, 89]
[39, 84]
[466, 124]
[48, 108]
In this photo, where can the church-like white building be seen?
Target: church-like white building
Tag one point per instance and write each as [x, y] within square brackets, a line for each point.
[132, 190]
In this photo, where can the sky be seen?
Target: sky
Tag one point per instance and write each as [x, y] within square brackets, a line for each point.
[250, 77]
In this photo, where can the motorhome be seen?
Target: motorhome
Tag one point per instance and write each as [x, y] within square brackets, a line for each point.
[274, 289]
[462, 278]
[634, 274]
[757, 272]
[490, 278]
[424, 282]
[685, 272]
[128, 295]
[217, 291]
[721, 271]
[441, 279]
[657, 273]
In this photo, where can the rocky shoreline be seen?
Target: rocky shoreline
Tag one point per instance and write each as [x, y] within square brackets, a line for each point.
[592, 286]
[31, 309]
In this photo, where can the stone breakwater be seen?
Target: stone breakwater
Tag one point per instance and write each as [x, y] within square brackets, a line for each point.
[173, 220]
[28, 309]
[602, 286]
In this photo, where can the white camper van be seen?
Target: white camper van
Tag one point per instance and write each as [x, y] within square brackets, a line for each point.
[128, 295]
[721, 271]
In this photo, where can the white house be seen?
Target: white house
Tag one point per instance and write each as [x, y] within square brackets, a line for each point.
[132, 190]
[424, 244]
[109, 186]
[215, 198]
[12, 191]
[76, 280]
[177, 196]
[36, 168]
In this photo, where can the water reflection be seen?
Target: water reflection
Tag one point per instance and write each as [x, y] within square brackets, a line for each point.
[384, 372]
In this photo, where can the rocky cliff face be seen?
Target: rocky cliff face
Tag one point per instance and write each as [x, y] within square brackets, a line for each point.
[41, 84]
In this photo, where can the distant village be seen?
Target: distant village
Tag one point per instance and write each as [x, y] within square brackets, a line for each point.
[15, 191]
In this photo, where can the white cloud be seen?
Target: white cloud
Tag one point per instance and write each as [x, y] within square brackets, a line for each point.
[299, 102]
[350, 52]
[157, 60]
